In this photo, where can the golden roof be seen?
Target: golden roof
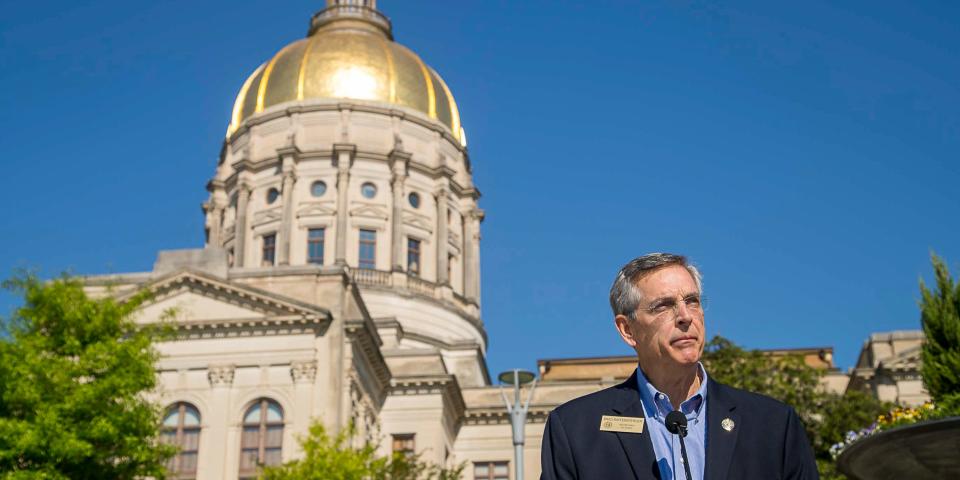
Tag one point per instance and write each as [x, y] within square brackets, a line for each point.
[348, 56]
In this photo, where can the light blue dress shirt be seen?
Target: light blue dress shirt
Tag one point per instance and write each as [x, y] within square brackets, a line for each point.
[666, 446]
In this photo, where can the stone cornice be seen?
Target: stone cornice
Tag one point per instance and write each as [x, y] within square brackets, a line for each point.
[445, 385]
[364, 335]
[358, 106]
[281, 315]
[499, 416]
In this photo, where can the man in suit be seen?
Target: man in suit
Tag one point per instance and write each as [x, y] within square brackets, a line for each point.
[621, 432]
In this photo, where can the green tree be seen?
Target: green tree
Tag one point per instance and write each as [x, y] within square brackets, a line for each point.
[940, 317]
[826, 416]
[334, 457]
[73, 373]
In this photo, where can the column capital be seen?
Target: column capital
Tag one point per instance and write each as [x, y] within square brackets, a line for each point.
[290, 151]
[304, 371]
[215, 184]
[244, 187]
[477, 214]
[341, 148]
[220, 375]
[399, 161]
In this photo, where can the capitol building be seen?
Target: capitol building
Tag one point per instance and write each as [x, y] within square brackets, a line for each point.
[340, 279]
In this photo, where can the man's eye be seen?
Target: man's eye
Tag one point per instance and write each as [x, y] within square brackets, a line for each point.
[661, 307]
[693, 301]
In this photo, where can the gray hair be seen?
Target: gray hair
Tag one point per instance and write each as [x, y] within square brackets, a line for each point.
[624, 295]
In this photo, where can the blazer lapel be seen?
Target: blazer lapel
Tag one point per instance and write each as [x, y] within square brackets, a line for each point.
[721, 410]
[637, 446]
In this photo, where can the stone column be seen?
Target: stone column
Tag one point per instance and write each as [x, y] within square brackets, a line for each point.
[471, 255]
[343, 154]
[399, 161]
[240, 231]
[214, 220]
[214, 209]
[286, 227]
[442, 228]
[221, 381]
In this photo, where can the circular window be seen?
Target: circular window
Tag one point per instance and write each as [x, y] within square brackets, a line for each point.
[272, 195]
[318, 188]
[414, 199]
[368, 190]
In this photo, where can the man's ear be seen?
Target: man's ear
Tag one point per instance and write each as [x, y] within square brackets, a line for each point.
[625, 330]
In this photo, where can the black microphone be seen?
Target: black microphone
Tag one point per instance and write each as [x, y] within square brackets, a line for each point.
[677, 424]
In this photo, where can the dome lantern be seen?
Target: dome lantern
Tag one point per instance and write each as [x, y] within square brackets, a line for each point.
[351, 13]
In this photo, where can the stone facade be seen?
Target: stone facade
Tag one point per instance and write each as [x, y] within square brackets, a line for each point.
[340, 280]
[888, 367]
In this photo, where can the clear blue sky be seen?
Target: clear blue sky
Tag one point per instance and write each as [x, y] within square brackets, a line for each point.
[804, 154]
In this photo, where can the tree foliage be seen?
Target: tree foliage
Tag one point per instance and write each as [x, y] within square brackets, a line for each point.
[826, 416]
[335, 457]
[73, 371]
[940, 317]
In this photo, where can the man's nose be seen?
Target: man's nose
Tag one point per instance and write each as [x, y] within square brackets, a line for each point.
[684, 314]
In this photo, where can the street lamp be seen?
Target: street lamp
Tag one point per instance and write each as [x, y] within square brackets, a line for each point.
[518, 413]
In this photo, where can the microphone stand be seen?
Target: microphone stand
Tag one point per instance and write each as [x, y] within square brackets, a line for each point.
[683, 453]
[676, 423]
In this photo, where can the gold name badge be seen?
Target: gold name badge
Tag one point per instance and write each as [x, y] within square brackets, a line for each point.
[609, 423]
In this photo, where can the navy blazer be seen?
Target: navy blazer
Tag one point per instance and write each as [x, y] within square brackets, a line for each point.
[767, 441]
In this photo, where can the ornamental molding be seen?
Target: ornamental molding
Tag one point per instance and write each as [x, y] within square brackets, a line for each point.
[370, 211]
[402, 113]
[499, 416]
[417, 220]
[221, 375]
[317, 209]
[263, 217]
[303, 371]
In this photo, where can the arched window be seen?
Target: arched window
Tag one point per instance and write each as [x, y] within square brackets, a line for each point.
[181, 427]
[262, 437]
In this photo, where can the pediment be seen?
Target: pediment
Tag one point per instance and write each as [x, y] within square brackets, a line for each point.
[370, 211]
[317, 209]
[193, 299]
[909, 359]
[418, 221]
[267, 216]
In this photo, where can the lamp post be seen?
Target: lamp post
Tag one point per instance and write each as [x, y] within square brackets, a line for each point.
[517, 412]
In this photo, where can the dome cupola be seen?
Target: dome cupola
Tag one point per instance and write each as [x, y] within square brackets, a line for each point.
[349, 53]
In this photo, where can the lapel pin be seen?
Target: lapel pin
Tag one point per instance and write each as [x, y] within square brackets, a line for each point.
[727, 424]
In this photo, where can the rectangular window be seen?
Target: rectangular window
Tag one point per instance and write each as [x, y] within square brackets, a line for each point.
[404, 443]
[368, 249]
[491, 470]
[413, 256]
[269, 249]
[315, 238]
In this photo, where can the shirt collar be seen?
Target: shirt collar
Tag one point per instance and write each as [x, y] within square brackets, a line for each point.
[657, 405]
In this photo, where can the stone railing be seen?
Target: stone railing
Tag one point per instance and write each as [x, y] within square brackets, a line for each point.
[367, 276]
[412, 284]
[421, 286]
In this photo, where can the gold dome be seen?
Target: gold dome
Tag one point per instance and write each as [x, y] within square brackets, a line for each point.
[351, 58]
